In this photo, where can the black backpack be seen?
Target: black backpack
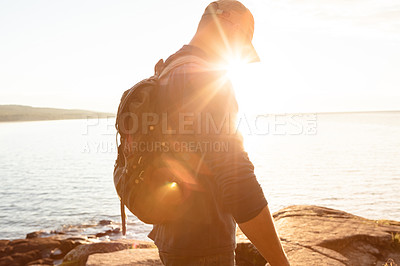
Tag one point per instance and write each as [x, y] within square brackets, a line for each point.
[143, 180]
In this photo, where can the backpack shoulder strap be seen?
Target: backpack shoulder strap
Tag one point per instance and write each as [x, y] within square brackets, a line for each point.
[181, 61]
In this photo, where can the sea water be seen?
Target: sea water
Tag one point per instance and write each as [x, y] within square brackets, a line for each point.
[57, 175]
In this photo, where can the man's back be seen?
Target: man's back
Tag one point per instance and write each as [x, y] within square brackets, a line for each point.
[226, 189]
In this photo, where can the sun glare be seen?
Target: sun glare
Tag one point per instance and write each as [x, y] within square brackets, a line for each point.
[235, 69]
[258, 91]
[245, 80]
[173, 185]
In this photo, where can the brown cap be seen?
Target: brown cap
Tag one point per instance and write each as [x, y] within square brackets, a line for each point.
[237, 14]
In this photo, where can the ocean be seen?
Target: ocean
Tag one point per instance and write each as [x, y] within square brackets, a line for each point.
[57, 175]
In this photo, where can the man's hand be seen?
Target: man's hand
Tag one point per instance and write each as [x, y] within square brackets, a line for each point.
[261, 232]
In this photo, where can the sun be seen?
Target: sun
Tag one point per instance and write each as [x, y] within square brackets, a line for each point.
[235, 68]
[246, 81]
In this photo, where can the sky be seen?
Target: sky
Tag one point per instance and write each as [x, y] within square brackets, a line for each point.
[316, 55]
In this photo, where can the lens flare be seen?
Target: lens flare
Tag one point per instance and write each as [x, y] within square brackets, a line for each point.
[235, 68]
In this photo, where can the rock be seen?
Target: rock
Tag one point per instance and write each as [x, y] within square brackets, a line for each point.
[18, 241]
[46, 253]
[312, 234]
[27, 251]
[246, 254]
[42, 262]
[8, 250]
[55, 232]
[6, 260]
[83, 239]
[108, 232]
[105, 222]
[35, 234]
[67, 245]
[4, 243]
[24, 258]
[80, 254]
[101, 234]
[126, 257]
[21, 245]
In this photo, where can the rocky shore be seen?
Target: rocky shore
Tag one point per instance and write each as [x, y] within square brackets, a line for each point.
[311, 235]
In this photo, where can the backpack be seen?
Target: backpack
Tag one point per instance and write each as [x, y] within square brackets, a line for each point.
[144, 182]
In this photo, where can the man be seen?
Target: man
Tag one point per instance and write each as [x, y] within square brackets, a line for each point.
[226, 191]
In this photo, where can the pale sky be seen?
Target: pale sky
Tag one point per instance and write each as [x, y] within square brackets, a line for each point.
[317, 55]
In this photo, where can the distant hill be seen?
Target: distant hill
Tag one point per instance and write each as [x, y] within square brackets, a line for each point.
[10, 113]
